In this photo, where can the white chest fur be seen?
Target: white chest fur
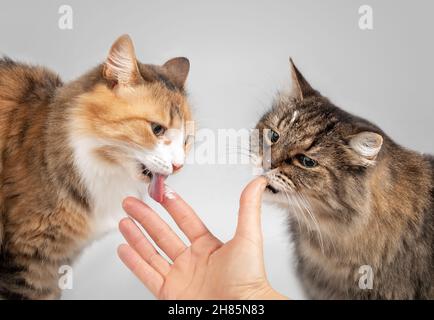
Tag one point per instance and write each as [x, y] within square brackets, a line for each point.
[108, 194]
[108, 185]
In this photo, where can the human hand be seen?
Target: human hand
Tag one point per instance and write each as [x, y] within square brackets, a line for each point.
[208, 268]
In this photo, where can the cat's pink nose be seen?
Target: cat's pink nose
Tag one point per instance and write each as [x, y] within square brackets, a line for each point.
[176, 166]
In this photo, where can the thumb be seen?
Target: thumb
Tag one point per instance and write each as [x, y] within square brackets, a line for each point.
[249, 215]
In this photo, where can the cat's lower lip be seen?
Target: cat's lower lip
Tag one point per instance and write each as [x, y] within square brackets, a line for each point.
[145, 171]
[272, 189]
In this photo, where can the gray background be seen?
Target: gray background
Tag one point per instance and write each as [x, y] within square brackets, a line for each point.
[239, 54]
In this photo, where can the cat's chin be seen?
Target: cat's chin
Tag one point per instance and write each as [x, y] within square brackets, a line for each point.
[277, 199]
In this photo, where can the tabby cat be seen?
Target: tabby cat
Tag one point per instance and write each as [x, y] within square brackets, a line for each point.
[362, 206]
[71, 153]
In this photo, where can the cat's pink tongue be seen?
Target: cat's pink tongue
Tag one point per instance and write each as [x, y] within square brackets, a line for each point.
[156, 188]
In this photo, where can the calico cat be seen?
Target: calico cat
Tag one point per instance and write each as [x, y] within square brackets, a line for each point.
[362, 206]
[71, 153]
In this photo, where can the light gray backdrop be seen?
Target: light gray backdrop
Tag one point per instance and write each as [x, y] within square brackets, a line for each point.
[239, 57]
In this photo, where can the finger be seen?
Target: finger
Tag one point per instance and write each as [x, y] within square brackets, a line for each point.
[165, 238]
[138, 241]
[249, 216]
[146, 274]
[184, 216]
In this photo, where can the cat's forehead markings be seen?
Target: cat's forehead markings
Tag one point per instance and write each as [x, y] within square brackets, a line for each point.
[293, 117]
[176, 115]
[275, 118]
[174, 112]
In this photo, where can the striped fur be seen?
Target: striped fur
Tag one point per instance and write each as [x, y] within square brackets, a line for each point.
[368, 202]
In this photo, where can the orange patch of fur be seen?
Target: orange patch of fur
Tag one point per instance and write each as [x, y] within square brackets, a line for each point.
[125, 114]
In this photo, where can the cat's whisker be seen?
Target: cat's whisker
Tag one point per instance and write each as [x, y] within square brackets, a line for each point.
[290, 204]
[307, 221]
[244, 152]
[297, 210]
[244, 149]
[240, 150]
[230, 152]
[315, 221]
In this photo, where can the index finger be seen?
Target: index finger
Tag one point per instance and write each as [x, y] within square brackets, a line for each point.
[184, 216]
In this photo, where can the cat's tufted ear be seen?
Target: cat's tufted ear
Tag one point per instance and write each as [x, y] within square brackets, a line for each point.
[301, 89]
[121, 63]
[178, 69]
[367, 145]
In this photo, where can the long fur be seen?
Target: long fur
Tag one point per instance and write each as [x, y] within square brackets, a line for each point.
[367, 202]
[70, 153]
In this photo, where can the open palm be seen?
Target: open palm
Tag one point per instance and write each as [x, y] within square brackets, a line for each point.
[207, 269]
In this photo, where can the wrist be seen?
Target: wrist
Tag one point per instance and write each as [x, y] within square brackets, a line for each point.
[266, 293]
[274, 295]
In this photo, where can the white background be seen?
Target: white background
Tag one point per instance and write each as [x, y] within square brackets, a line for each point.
[239, 57]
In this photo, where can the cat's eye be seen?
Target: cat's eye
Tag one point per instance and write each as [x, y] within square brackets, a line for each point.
[273, 136]
[158, 129]
[305, 161]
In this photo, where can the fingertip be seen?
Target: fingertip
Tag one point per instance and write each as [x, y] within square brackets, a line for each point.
[131, 205]
[169, 194]
[261, 181]
[127, 202]
[258, 183]
[254, 188]
[171, 199]
[123, 223]
[122, 250]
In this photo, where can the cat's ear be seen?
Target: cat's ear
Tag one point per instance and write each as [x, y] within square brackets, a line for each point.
[367, 145]
[121, 63]
[301, 89]
[178, 69]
